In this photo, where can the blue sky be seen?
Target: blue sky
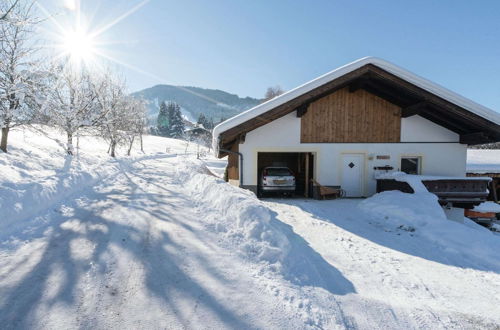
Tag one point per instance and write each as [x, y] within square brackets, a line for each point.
[245, 46]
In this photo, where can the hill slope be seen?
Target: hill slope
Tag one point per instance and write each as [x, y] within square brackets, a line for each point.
[212, 103]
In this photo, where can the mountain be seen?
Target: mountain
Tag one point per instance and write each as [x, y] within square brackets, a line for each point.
[213, 103]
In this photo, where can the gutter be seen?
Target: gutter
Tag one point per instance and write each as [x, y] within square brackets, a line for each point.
[240, 155]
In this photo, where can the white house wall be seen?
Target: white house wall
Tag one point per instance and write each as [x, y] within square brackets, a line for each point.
[419, 129]
[441, 153]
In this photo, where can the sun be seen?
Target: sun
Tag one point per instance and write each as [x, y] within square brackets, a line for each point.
[79, 45]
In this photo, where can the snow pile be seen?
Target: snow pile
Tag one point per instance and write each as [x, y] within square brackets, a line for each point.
[236, 213]
[421, 214]
[397, 208]
[487, 207]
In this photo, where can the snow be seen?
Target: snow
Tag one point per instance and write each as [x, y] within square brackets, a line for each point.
[387, 66]
[158, 240]
[410, 268]
[483, 161]
[487, 207]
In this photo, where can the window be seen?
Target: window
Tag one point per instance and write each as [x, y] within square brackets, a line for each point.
[410, 165]
[277, 171]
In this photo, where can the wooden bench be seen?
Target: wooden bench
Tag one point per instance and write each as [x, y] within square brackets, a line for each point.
[327, 192]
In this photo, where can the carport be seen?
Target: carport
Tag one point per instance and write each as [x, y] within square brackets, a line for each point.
[301, 163]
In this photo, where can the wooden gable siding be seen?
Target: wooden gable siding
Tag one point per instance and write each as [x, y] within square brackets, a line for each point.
[345, 116]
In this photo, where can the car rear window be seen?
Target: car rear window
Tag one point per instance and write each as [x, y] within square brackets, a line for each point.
[278, 172]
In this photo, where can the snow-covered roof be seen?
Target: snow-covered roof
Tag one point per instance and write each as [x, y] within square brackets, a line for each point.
[483, 161]
[387, 66]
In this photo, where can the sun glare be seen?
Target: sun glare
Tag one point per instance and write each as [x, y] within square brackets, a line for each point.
[79, 45]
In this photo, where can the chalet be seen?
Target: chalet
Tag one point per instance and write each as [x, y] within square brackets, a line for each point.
[345, 127]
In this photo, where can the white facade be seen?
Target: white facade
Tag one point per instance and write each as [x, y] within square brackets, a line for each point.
[438, 148]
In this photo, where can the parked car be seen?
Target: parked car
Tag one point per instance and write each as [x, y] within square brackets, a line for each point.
[277, 180]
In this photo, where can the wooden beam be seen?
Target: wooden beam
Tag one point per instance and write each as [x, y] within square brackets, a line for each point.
[356, 85]
[302, 110]
[414, 109]
[446, 122]
[393, 98]
[474, 138]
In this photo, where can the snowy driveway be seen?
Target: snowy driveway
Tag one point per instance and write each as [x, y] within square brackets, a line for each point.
[129, 253]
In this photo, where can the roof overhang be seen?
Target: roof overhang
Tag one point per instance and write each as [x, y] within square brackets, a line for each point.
[415, 95]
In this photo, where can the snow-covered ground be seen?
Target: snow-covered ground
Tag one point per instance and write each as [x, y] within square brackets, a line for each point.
[158, 240]
[406, 270]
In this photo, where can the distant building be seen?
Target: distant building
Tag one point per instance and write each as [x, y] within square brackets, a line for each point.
[199, 133]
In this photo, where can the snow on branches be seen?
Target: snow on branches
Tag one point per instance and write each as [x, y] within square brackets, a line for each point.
[20, 81]
[70, 97]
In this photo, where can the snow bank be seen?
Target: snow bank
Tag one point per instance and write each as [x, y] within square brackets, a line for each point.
[420, 214]
[236, 213]
[487, 207]
[36, 172]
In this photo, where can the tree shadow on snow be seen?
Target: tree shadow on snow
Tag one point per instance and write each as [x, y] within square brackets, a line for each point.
[346, 215]
[55, 275]
[304, 266]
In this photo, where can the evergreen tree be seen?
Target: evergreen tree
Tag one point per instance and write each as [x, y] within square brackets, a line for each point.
[202, 120]
[176, 121]
[163, 120]
[210, 124]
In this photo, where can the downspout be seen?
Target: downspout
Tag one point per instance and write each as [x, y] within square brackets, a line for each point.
[241, 162]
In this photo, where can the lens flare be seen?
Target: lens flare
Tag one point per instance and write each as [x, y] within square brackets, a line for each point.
[79, 45]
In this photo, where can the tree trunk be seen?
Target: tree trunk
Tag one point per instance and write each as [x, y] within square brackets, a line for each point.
[70, 143]
[77, 143]
[113, 145]
[142, 147]
[5, 135]
[130, 146]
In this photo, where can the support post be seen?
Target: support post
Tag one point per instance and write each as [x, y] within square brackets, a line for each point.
[307, 176]
[240, 155]
[494, 187]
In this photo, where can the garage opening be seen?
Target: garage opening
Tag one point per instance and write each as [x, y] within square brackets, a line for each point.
[300, 163]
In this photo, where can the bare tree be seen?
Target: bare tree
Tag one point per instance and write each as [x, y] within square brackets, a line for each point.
[112, 102]
[18, 78]
[72, 101]
[135, 114]
[272, 92]
[6, 9]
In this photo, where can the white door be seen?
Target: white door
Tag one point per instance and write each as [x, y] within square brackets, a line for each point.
[353, 168]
